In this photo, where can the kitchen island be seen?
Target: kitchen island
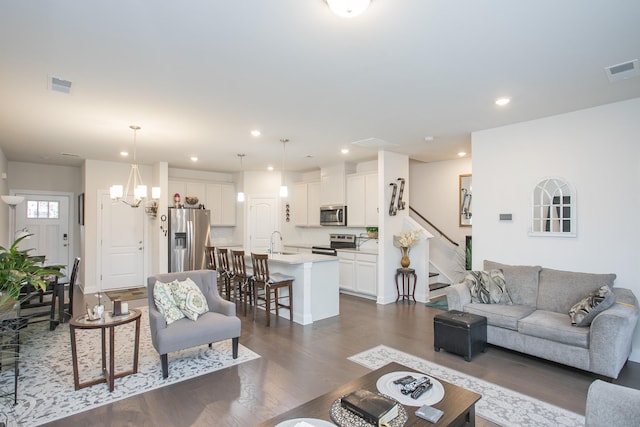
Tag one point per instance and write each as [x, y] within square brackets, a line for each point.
[316, 293]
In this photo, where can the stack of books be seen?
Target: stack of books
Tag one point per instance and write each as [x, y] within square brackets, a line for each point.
[372, 407]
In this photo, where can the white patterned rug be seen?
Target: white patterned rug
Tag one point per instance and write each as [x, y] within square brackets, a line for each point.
[45, 388]
[498, 404]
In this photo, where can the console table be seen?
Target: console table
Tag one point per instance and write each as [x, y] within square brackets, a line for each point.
[458, 404]
[108, 322]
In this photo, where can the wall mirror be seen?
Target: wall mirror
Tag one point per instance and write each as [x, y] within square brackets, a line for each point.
[553, 209]
[465, 200]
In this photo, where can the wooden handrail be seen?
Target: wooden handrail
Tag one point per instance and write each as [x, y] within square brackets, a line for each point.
[433, 226]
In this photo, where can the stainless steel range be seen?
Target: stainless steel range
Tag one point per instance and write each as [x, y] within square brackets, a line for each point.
[336, 241]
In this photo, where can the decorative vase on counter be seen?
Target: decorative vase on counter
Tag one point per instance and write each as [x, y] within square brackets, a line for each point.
[405, 261]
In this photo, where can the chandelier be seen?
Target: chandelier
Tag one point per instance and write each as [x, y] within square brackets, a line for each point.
[348, 8]
[119, 193]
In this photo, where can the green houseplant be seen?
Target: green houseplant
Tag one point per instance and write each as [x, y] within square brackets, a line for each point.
[372, 232]
[18, 269]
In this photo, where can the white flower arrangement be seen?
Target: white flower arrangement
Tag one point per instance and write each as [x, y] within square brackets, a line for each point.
[406, 239]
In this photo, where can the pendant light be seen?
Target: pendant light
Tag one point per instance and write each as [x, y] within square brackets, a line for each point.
[241, 193]
[284, 191]
[348, 8]
[134, 183]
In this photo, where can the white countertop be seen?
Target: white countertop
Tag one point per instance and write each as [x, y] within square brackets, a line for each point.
[300, 258]
[368, 249]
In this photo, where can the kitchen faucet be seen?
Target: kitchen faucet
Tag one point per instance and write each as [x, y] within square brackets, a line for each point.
[271, 240]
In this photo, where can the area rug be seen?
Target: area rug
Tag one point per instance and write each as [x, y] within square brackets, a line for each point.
[46, 390]
[440, 304]
[498, 404]
[127, 294]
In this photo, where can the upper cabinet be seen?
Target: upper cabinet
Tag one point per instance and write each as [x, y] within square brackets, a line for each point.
[332, 184]
[306, 204]
[362, 200]
[219, 198]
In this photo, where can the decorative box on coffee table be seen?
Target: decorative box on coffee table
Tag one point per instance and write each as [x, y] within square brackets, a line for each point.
[461, 333]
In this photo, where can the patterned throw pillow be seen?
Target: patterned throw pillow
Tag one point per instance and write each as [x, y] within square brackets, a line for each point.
[166, 305]
[585, 310]
[189, 298]
[487, 287]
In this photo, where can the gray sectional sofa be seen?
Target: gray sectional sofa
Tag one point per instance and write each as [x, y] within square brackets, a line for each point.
[537, 322]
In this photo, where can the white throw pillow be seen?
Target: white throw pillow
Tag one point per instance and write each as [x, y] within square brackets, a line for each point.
[165, 303]
[189, 298]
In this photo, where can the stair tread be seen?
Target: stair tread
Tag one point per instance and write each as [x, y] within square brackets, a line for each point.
[436, 286]
[433, 274]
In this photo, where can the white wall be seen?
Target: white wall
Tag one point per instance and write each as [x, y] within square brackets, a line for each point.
[598, 152]
[4, 209]
[436, 195]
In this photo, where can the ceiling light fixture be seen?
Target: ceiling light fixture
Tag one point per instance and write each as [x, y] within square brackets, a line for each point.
[134, 182]
[348, 8]
[503, 101]
[345, 151]
[462, 154]
[284, 191]
[256, 133]
[241, 193]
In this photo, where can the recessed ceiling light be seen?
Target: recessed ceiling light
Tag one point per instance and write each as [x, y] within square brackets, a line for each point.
[345, 151]
[503, 101]
[269, 168]
[462, 154]
[124, 153]
[428, 138]
[194, 158]
[256, 132]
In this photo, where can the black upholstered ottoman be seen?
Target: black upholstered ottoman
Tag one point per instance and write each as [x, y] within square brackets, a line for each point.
[460, 333]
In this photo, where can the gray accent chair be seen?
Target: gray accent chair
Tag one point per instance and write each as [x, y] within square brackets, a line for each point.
[219, 324]
[612, 405]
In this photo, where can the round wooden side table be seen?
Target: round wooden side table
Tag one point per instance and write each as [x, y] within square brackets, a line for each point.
[108, 322]
[408, 289]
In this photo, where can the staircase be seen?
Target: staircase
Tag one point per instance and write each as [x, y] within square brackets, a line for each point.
[436, 289]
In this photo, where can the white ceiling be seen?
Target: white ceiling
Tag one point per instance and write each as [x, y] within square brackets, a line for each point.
[197, 76]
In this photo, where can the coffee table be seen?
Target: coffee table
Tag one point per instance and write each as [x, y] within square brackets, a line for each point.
[108, 322]
[458, 403]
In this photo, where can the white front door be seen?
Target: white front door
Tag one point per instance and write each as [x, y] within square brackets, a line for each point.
[122, 248]
[46, 216]
[262, 222]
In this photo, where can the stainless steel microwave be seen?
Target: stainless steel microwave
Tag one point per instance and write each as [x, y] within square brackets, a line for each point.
[333, 215]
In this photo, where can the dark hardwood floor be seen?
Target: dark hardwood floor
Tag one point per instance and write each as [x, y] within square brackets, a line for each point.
[299, 363]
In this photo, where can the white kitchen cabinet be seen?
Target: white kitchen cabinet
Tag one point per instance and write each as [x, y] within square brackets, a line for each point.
[221, 201]
[306, 204]
[362, 200]
[333, 184]
[358, 273]
[367, 274]
[347, 270]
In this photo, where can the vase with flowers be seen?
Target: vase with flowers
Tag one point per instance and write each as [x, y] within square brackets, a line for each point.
[404, 241]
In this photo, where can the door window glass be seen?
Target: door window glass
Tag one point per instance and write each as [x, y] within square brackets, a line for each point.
[43, 209]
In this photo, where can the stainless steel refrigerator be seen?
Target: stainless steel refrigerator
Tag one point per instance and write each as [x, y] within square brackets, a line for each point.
[189, 233]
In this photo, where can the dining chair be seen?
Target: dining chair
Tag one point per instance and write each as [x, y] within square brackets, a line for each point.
[65, 309]
[243, 279]
[210, 255]
[225, 272]
[270, 284]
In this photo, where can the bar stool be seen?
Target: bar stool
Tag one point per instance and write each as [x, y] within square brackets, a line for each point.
[243, 280]
[225, 272]
[210, 257]
[270, 284]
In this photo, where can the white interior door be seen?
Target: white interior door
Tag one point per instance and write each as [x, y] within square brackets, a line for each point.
[122, 248]
[262, 222]
[46, 216]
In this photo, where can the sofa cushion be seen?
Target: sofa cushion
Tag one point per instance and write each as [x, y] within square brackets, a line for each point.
[487, 287]
[165, 303]
[190, 299]
[585, 310]
[560, 290]
[521, 281]
[503, 316]
[553, 326]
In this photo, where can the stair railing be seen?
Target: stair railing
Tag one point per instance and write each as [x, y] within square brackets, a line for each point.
[411, 208]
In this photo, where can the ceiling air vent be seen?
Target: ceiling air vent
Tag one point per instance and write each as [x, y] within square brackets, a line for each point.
[374, 143]
[622, 71]
[60, 85]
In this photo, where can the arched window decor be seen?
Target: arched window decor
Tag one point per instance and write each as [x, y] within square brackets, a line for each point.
[553, 209]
